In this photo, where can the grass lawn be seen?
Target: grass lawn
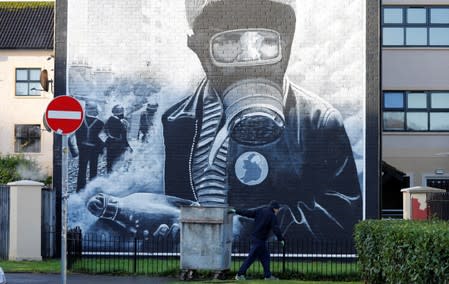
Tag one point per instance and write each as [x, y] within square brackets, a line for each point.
[148, 266]
[53, 266]
[46, 266]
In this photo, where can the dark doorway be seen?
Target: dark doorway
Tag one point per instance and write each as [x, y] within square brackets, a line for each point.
[393, 180]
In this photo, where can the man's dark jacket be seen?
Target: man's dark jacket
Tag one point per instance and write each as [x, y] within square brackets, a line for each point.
[265, 222]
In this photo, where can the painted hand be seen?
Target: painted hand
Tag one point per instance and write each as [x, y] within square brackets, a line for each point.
[142, 214]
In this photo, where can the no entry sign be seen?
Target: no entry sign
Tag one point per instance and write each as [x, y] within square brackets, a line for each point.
[64, 115]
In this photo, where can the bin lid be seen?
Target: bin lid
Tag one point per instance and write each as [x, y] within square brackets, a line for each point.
[422, 189]
[203, 214]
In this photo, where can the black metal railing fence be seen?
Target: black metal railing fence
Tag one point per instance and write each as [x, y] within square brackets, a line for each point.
[308, 259]
[4, 221]
[438, 205]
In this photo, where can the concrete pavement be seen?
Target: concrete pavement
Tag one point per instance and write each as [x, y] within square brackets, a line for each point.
[39, 278]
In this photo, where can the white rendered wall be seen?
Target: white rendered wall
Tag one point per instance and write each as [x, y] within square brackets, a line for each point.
[24, 110]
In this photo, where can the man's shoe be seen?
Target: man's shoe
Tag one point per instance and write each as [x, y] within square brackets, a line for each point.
[240, 277]
[271, 278]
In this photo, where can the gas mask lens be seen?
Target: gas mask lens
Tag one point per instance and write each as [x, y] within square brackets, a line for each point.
[245, 47]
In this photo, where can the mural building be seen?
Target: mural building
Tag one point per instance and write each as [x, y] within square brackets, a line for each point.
[217, 102]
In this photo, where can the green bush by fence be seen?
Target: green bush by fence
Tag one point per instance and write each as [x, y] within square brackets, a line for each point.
[403, 251]
[17, 167]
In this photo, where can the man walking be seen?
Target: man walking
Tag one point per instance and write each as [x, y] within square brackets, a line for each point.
[265, 221]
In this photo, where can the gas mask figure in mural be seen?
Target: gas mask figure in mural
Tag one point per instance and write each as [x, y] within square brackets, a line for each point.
[248, 135]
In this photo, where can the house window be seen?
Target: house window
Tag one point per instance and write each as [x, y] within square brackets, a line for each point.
[415, 111]
[438, 182]
[27, 138]
[28, 81]
[415, 26]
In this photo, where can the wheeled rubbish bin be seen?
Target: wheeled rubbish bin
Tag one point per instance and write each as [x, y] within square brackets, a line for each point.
[206, 240]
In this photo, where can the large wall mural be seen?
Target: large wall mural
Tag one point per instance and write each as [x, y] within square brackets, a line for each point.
[211, 103]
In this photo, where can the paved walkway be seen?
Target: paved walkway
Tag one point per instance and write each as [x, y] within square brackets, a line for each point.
[36, 278]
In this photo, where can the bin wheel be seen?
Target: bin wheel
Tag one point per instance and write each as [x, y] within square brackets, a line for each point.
[183, 276]
[191, 274]
[220, 275]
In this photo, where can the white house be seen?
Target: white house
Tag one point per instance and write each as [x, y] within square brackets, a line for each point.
[26, 48]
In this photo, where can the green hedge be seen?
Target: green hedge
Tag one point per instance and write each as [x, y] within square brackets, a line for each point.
[403, 251]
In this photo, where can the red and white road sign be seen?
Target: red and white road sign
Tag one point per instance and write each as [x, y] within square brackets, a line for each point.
[64, 115]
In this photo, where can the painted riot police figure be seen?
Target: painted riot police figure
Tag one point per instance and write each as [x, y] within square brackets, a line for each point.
[89, 144]
[146, 121]
[248, 135]
[116, 129]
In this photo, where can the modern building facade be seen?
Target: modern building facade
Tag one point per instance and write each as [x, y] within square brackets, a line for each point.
[415, 92]
[26, 48]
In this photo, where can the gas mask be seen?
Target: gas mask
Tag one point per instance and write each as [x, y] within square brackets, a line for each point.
[253, 106]
[245, 58]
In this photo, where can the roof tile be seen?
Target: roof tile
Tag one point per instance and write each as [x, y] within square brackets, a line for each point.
[26, 25]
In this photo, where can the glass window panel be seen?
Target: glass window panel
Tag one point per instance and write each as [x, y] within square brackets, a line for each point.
[28, 145]
[21, 75]
[35, 131]
[439, 36]
[439, 100]
[392, 15]
[19, 131]
[439, 121]
[35, 74]
[35, 146]
[439, 15]
[417, 121]
[27, 139]
[37, 89]
[393, 36]
[21, 89]
[17, 148]
[416, 36]
[393, 100]
[416, 15]
[393, 120]
[417, 100]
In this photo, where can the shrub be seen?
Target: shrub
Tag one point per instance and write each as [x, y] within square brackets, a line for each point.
[403, 251]
[17, 167]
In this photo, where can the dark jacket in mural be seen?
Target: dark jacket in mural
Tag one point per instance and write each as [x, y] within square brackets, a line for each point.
[89, 146]
[117, 141]
[310, 168]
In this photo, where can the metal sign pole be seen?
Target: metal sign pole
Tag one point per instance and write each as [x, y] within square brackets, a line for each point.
[64, 195]
[64, 115]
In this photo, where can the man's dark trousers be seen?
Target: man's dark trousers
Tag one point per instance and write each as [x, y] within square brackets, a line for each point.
[259, 250]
